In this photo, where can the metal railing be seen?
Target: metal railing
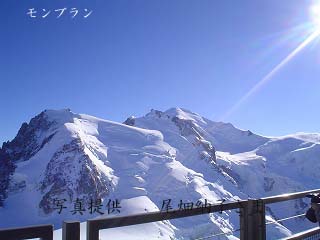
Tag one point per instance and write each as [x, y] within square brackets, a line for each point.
[252, 220]
[310, 234]
[93, 226]
[44, 232]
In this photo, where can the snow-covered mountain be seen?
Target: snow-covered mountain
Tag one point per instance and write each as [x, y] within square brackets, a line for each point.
[61, 161]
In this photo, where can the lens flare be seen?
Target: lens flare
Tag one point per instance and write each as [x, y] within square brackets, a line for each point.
[314, 33]
[269, 76]
[315, 15]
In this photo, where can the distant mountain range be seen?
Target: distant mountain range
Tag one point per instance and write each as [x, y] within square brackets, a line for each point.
[64, 166]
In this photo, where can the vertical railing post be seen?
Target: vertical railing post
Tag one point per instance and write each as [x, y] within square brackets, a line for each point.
[71, 231]
[244, 218]
[261, 219]
[92, 230]
[47, 233]
[252, 220]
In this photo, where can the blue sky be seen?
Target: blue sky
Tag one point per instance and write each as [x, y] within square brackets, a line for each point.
[133, 55]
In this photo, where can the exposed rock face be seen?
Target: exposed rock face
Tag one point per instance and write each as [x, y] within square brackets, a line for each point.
[71, 174]
[186, 127]
[6, 169]
[130, 121]
[190, 129]
[157, 113]
[29, 139]
[209, 152]
[268, 184]
[26, 144]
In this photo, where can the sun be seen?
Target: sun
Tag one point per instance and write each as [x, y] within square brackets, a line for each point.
[312, 34]
[315, 15]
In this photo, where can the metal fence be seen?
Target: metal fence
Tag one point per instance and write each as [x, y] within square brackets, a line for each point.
[44, 232]
[311, 234]
[251, 212]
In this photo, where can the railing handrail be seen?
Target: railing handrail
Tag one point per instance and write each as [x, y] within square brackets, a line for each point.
[246, 207]
[94, 225]
[289, 196]
[44, 232]
[163, 215]
[304, 234]
[172, 214]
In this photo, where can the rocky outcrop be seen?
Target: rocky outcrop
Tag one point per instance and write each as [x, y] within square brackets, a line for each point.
[130, 121]
[268, 184]
[6, 169]
[70, 174]
[29, 140]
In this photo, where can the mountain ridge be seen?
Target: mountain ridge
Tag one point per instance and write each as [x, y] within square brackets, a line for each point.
[175, 154]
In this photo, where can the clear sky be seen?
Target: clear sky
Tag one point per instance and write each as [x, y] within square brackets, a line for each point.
[129, 56]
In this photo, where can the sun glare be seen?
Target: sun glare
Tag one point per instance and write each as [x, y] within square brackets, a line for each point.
[313, 35]
[315, 15]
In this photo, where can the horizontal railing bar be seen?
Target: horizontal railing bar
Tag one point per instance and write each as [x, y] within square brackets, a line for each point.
[218, 234]
[305, 234]
[161, 216]
[289, 196]
[39, 231]
[285, 219]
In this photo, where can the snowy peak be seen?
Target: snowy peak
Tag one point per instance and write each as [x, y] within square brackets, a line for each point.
[184, 114]
[174, 154]
[223, 136]
[180, 113]
[181, 129]
[60, 116]
[50, 155]
[34, 135]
